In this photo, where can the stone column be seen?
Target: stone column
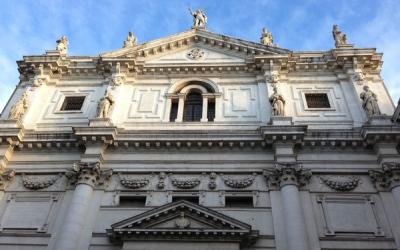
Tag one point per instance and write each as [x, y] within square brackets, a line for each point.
[85, 175]
[204, 117]
[167, 111]
[218, 107]
[288, 177]
[181, 106]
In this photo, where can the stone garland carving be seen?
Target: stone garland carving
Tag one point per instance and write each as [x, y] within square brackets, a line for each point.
[341, 183]
[239, 183]
[266, 37]
[195, 54]
[38, 182]
[278, 103]
[339, 37]
[6, 175]
[19, 109]
[369, 102]
[104, 106]
[88, 173]
[161, 180]
[62, 45]
[185, 183]
[133, 183]
[199, 19]
[287, 174]
[388, 177]
[212, 184]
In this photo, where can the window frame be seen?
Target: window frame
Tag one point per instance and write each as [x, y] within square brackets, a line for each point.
[66, 95]
[327, 93]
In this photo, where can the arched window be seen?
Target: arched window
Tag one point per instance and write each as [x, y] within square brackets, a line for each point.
[193, 107]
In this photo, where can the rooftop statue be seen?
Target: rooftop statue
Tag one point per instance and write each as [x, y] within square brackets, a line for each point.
[19, 109]
[131, 40]
[370, 102]
[266, 37]
[199, 19]
[340, 37]
[62, 45]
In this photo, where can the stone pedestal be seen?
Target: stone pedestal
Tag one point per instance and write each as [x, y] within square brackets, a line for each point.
[281, 121]
[100, 122]
[379, 120]
[10, 123]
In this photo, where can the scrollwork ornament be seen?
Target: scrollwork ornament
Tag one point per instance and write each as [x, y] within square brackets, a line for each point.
[186, 183]
[239, 183]
[195, 54]
[133, 183]
[341, 183]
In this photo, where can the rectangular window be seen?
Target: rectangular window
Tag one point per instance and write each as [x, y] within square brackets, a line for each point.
[317, 100]
[132, 201]
[192, 199]
[72, 103]
[238, 201]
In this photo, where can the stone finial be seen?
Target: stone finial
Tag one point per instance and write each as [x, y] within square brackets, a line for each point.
[266, 37]
[287, 174]
[62, 45]
[388, 177]
[369, 102]
[19, 109]
[131, 40]
[199, 19]
[277, 102]
[340, 37]
[104, 106]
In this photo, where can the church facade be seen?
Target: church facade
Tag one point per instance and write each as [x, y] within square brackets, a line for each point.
[201, 141]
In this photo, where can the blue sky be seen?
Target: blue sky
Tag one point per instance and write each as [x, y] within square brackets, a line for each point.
[93, 27]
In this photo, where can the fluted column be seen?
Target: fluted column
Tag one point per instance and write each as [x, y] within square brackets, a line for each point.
[288, 177]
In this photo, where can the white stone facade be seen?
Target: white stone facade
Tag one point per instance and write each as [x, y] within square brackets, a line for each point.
[164, 170]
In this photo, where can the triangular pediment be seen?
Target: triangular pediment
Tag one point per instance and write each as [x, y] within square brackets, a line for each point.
[165, 47]
[182, 217]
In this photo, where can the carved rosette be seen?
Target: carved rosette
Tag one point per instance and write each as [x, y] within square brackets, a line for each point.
[239, 183]
[88, 173]
[341, 183]
[133, 183]
[38, 182]
[388, 177]
[6, 175]
[288, 174]
[186, 183]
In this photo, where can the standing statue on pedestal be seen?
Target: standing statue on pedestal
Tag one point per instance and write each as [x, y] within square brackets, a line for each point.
[340, 37]
[62, 45]
[200, 19]
[19, 109]
[370, 102]
[266, 37]
[278, 103]
[105, 105]
[131, 40]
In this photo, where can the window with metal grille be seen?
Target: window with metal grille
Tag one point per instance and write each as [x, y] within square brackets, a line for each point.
[132, 201]
[211, 110]
[72, 103]
[174, 111]
[317, 100]
[238, 201]
[193, 107]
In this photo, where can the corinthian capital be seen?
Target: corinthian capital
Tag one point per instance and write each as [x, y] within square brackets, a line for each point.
[287, 174]
[88, 173]
[388, 177]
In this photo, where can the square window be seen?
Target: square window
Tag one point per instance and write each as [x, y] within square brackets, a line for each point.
[132, 201]
[317, 100]
[238, 201]
[72, 103]
[192, 199]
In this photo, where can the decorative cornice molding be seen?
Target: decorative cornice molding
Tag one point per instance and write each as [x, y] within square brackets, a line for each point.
[287, 174]
[388, 177]
[341, 183]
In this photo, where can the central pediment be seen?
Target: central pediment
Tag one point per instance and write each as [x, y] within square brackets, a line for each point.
[184, 220]
[171, 46]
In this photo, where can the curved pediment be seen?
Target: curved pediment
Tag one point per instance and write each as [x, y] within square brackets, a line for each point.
[184, 219]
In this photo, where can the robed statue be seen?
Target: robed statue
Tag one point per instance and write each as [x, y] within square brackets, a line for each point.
[370, 102]
[62, 45]
[131, 40]
[19, 109]
[278, 103]
[340, 37]
[266, 37]
[105, 105]
[199, 18]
